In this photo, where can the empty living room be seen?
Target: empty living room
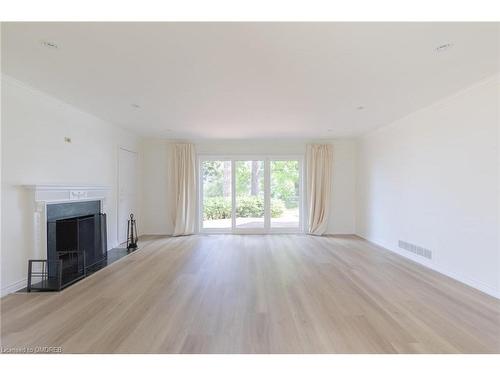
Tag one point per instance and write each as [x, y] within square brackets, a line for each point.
[197, 186]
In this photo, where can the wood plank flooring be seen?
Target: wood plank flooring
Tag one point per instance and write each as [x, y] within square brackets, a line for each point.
[257, 294]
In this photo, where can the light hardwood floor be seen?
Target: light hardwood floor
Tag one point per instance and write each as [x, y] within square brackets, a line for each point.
[257, 294]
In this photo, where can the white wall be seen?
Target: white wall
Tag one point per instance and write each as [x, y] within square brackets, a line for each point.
[155, 167]
[34, 152]
[156, 217]
[432, 179]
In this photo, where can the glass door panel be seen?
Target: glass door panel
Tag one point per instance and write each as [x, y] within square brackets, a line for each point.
[216, 200]
[285, 194]
[249, 194]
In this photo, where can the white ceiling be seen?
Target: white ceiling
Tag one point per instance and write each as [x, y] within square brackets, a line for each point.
[250, 80]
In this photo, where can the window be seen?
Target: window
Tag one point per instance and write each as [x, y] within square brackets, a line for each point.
[285, 194]
[249, 183]
[250, 194]
[216, 182]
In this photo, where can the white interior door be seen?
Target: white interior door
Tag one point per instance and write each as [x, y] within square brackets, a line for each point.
[127, 190]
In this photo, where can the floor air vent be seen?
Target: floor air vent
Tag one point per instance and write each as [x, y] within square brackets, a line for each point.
[426, 253]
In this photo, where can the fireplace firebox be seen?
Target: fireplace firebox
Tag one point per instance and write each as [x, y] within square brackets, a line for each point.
[76, 241]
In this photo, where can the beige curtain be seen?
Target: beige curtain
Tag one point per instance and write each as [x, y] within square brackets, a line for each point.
[184, 188]
[319, 164]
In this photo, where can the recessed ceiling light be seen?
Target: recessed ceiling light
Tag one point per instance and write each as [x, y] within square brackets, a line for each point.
[135, 105]
[50, 44]
[444, 47]
[360, 108]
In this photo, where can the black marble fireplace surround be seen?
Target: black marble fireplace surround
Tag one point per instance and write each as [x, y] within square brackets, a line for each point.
[76, 234]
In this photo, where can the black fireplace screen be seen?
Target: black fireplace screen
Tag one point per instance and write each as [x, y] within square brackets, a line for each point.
[75, 244]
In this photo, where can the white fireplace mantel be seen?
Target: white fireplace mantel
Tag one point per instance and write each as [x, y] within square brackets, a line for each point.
[67, 193]
[43, 195]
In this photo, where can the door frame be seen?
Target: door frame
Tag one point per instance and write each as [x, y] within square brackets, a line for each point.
[122, 148]
[267, 158]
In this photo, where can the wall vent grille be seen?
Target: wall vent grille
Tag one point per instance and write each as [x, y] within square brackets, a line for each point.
[418, 250]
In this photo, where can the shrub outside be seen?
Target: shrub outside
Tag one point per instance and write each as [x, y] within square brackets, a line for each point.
[217, 208]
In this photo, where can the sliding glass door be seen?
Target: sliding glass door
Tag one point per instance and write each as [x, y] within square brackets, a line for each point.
[216, 182]
[250, 194]
[285, 194]
[249, 191]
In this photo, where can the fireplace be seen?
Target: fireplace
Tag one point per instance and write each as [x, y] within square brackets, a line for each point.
[76, 240]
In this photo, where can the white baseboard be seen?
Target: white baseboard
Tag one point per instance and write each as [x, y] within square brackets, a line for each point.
[340, 234]
[485, 288]
[11, 288]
